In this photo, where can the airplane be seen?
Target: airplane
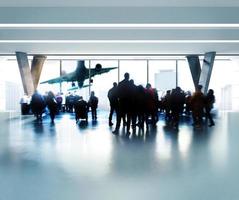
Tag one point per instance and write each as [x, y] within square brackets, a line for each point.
[80, 74]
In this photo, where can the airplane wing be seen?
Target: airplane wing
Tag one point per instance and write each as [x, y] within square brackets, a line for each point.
[70, 77]
[96, 71]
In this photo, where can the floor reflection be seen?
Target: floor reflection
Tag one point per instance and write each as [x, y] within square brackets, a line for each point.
[38, 127]
[88, 155]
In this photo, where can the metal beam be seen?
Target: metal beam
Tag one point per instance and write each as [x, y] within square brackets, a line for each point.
[36, 68]
[201, 76]
[195, 68]
[25, 72]
[206, 71]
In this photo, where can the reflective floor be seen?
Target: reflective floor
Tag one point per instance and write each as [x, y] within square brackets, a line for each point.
[41, 161]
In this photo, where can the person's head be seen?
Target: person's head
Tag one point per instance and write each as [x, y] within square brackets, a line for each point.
[126, 76]
[210, 91]
[188, 93]
[178, 88]
[50, 94]
[92, 93]
[141, 88]
[168, 91]
[115, 84]
[148, 85]
[199, 87]
[80, 98]
[131, 81]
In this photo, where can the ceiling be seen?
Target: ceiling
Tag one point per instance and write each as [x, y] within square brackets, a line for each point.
[102, 27]
[124, 3]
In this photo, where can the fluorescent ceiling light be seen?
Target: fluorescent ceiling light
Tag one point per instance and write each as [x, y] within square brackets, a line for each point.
[118, 41]
[117, 26]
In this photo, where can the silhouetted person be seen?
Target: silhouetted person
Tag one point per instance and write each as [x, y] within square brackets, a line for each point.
[52, 105]
[197, 105]
[76, 98]
[188, 99]
[140, 106]
[133, 108]
[177, 104]
[210, 100]
[124, 96]
[81, 109]
[93, 104]
[37, 105]
[166, 101]
[151, 104]
[113, 99]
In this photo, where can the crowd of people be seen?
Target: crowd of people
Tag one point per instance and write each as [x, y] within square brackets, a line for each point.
[134, 105]
[55, 104]
[177, 102]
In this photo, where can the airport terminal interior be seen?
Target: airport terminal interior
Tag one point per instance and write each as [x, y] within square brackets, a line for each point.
[169, 44]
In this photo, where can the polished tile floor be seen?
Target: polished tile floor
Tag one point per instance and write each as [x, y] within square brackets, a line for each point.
[65, 161]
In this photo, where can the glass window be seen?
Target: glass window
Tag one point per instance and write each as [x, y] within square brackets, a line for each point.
[10, 85]
[185, 80]
[224, 81]
[50, 70]
[162, 75]
[103, 82]
[69, 66]
[137, 70]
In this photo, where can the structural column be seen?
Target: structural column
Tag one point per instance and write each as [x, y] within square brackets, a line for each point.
[206, 71]
[30, 76]
[201, 76]
[25, 72]
[195, 68]
[36, 69]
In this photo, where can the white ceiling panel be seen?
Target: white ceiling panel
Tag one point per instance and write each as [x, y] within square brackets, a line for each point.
[96, 40]
[132, 3]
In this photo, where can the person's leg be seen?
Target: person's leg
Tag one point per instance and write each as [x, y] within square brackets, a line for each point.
[95, 113]
[118, 120]
[128, 122]
[209, 116]
[92, 113]
[194, 115]
[52, 115]
[134, 118]
[111, 115]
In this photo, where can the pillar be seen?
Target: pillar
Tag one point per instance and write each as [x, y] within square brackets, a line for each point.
[25, 73]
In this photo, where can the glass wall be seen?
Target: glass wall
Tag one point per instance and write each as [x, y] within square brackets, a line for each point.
[103, 82]
[225, 83]
[11, 89]
[69, 66]
[50, 70]
[162, 74]
[137, 70]
[185, 80]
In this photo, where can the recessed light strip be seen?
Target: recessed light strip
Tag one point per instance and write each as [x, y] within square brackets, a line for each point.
[117, 26]
[117, 41]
